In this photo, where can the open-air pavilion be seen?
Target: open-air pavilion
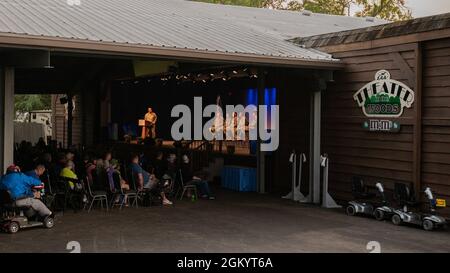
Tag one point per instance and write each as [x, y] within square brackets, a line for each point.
[112, 59]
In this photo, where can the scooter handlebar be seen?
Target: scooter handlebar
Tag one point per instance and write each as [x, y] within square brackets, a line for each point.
[429, 193]
[379, 187]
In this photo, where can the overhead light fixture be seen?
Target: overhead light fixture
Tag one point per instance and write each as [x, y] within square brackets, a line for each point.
[63, 100]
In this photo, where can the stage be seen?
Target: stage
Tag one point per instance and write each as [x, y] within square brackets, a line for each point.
[240, 148]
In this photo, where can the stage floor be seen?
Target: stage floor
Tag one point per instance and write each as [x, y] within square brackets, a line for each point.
[240, 147]
[235, 222]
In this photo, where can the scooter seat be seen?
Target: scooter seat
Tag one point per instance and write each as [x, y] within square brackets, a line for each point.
[359, 190]
[412, 203]
[12, 208]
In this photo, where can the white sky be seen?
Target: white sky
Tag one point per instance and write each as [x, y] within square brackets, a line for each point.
[421, 8]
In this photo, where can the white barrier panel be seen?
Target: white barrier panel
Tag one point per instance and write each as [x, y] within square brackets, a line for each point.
[28, 131]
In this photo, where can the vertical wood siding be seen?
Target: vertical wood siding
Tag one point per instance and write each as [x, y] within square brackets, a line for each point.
[389, 157]
[436, 117]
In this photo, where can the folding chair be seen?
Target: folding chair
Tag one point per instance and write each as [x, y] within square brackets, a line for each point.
[70, 195]
[124, 196]
[98, 196]
[185, 188]
[49, 196]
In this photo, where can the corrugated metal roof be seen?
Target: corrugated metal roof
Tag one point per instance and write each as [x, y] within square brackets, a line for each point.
[174, 23]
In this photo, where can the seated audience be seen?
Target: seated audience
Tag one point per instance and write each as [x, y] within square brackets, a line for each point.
[160, 166]
[145, 180]
[70, 176]
[91, 166]
[112, 166]
[190, 179]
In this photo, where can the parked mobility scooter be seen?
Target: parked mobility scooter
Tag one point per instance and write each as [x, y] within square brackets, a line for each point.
[406, 198]
[365, 202]
[14, 219]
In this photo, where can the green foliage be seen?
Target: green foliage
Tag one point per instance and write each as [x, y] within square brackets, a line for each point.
[393, 10]
[336, 7]
[26, 103]
[248, 3]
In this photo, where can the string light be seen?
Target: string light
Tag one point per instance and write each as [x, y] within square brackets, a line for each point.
[223, 75]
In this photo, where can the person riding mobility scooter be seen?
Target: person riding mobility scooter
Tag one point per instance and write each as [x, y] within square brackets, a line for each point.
[406, 198]
[364, 203]
[19, 208]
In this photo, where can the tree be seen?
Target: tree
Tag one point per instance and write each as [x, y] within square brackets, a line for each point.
[26, 103]
[393, 10]
[248, 3]
[337, 7]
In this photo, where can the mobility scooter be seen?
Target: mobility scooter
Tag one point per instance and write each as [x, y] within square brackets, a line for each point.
[364, 203]
[13, 217]
[406, 198]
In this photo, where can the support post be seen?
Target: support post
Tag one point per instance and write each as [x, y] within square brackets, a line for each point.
[260, 156]
[417, 134]
[6, 117]
[315, 146]
[69, 119]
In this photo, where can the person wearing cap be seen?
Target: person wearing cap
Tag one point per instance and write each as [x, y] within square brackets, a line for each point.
[20, 187]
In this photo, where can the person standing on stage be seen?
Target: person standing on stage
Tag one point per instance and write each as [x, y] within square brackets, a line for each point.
[150, 119]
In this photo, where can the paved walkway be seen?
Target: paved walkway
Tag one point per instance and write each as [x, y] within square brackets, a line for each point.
[235, 222]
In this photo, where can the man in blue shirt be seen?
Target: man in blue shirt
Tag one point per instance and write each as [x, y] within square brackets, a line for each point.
[37, 172]
[20, 187]
[145, 180]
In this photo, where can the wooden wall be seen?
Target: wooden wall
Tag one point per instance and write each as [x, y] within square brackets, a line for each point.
[436, 117]
[420, 152]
